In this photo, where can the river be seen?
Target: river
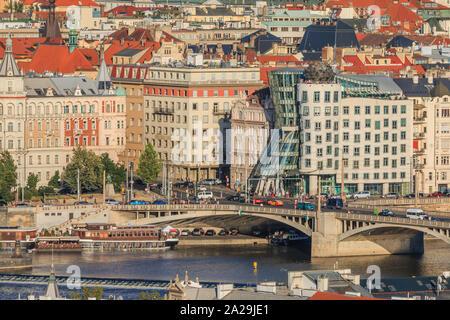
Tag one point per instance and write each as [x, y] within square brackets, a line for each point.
[233, 264]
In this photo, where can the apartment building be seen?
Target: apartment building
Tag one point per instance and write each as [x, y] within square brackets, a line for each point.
[431, 134]
[44, 118]
[361, 122]
[184, 108]
[131, 79]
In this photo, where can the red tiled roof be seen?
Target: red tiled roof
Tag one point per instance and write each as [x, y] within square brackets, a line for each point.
[319, 295]
[286, 59]
[63, 3]
[22, 47]
[57, 59]
[125, 10]
[91, 55]
[116, 46]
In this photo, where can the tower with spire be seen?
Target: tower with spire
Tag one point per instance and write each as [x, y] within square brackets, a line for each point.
[103, 77]
[11, 77]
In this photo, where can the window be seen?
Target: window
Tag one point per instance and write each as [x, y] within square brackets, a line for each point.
[327, 96]
[345, 110]
[316, 96]
[357, 110]
[367, 109]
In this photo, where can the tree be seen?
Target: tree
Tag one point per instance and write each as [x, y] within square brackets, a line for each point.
[55, 180]
[32, 182]
[91, 171]
[17, 6]
[94, 292]
[144, 295]
[149, 166]
[115, 171]
[8, 176]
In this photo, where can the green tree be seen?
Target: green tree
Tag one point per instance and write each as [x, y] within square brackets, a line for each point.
[115, 171]
[149, 166]
[17, 7]
[144, 295]
[85, 293]
[32, 182]
[8, 176]
[91, 171]
[55, 180]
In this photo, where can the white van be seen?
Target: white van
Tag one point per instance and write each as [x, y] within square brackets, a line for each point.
[362, 195]
[414, 213]
[205, 195]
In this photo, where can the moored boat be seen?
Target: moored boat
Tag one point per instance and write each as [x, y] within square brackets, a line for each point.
[110, 236]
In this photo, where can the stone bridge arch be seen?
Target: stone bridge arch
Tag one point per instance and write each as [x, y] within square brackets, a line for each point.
[292, 223]
[426, 230]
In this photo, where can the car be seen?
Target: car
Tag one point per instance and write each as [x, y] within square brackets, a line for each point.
[185, 232]
[256, 232]
[386, 213]
[24, 204]
[209, 182]
[235, 198]
[433, 219]
[205, 195]
[335, 203]
[436, 194]
[3, 203]
[416, 214]
[139, 202]
[159, 201]
[413, 195]
[391, 195]
[210, 232]
[257, 201]
[234, 231]
[201, 188]
[112, 201]
[275, 203]
[48, 204]
[305, 206]
[198, 232]
[362, 195]
[223, 232]
[82, 203]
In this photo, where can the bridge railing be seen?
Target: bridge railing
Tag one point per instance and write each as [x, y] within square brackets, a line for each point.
[396, 220]
[214, 207]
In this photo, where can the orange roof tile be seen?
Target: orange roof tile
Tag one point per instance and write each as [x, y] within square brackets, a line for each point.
[61, 60]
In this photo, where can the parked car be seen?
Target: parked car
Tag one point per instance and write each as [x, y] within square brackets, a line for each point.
[362, 195]
[82, 203]
[275, 203]
[335, 203]
[305, 206]
[417, 214]
[434, 219]
[210, 232]
[391, 195]
[185, 232]
[3, 203]
[198, 232]
[112, 201]
[205, 195]
[223, 232]
[234, 231]
[159, 201]
[386, 213]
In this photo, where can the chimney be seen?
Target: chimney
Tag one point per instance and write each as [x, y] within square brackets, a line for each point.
[275, 48]
[102, 10]
[416, 79]
[322, 284]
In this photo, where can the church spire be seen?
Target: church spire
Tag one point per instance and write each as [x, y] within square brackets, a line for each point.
[103, 77]
[8, 67]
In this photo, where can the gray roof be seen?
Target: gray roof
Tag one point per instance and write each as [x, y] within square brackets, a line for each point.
[61, 86]
[127, 52]
[385, 84]
[9, 66]
[246, 294]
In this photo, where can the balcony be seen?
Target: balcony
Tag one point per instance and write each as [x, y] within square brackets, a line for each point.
[419, 119]
[161, 110]
[419, 166]
[419, 135]
[419, 151]
[220, 112]
[419, 106]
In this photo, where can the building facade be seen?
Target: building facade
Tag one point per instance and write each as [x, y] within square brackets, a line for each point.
[184, 108]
